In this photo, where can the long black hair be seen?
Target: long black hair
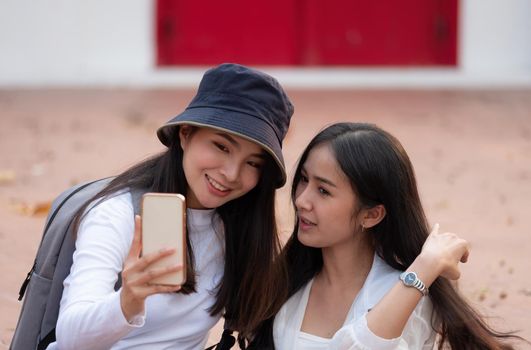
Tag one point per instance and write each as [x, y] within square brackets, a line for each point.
[251, 239]
[380, 172]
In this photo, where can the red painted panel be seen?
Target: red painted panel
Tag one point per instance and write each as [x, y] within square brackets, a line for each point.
[211, 32]
[307, 32]
[377, 32]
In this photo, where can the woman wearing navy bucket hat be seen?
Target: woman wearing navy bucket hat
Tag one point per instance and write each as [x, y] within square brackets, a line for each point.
[225, 155]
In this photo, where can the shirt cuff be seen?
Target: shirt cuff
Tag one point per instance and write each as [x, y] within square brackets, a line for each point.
[136, 321]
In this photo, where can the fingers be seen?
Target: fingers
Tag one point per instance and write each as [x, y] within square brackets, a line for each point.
[134, 269]
[149, 259]
[143, 286]
[163, 288]
[461, 248]
[142, 271]
[464, 258]
[466, 251]
[152, 274]
[151, 289]
[443, 251]
[137, 286]
[132, 297]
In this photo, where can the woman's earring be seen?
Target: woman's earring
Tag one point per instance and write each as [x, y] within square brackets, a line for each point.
[362, 228]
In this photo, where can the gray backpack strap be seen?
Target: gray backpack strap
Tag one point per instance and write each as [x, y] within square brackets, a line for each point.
[136, 197]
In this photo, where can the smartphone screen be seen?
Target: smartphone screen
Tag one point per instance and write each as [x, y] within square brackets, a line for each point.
[163, 226]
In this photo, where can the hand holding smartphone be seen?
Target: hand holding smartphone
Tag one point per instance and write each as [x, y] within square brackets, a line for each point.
[164, 226]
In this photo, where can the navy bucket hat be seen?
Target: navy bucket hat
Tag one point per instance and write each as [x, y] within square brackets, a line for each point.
[240, 101]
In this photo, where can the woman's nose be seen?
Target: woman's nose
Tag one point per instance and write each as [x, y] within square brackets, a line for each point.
[231, 171]
[302, 200]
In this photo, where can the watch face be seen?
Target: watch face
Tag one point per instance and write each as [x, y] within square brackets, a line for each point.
[410, 278]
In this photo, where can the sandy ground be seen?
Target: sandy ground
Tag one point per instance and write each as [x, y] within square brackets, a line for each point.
[471, 151]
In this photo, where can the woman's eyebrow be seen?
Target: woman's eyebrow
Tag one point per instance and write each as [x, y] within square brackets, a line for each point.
[318, 178]
[324, 180]
[229, 138]
[237, 144]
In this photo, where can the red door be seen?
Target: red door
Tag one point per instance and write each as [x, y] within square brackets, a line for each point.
[307, 32]
[211, 32]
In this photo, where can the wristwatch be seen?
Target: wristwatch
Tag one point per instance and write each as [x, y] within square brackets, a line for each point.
[410, 279]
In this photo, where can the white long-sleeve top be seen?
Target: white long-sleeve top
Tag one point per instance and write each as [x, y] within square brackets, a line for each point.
[355, 334]
[90, 315]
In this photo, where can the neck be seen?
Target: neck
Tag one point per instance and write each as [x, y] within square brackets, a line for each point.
[347, 263]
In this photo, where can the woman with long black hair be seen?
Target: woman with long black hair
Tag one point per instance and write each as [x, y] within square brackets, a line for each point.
[361, 270]
[224, 154]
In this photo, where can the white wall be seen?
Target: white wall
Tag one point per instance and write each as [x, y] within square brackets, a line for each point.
[75, 41]
[496, 35]
[111, 43]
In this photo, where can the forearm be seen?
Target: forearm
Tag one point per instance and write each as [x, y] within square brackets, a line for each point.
[389, 317]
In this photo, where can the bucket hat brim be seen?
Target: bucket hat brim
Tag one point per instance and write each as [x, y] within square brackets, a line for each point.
[237, 124]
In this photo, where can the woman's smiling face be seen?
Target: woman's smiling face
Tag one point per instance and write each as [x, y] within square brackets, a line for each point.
[218, 166]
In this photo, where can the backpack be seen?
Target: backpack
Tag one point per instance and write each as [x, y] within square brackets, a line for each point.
[43, 285]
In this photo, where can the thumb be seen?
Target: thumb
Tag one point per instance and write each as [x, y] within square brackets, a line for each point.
[136, 246]
[435, 229]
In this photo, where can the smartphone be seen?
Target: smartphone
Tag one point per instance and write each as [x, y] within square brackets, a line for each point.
[164, 226]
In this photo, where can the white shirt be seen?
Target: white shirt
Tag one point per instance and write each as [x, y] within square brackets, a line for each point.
[355, 334]
[309, 341]
[90, 315]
